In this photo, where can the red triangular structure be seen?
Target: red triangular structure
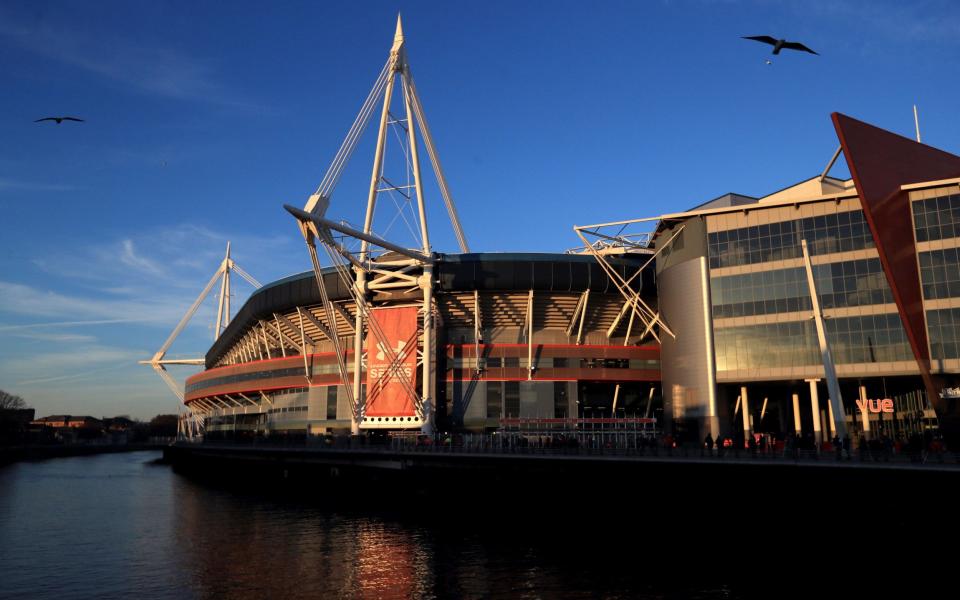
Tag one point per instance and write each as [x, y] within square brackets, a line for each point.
[880, 163]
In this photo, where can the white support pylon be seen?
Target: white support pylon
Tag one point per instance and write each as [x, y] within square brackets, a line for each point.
[314, 226]
[829, 370]
[158, 363]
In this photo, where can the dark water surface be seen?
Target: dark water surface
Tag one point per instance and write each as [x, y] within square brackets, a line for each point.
[118, 525]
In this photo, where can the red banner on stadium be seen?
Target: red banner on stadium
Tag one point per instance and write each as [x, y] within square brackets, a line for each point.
[386, 394]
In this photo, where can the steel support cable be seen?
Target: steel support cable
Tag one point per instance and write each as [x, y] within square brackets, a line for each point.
[363, 308]
[391, 369]
[374, 327]
[247, 276]
[435, 161]
[407, 149]
[189, 314]
[400, 213]
[341, 363]
[169, 381]
[358, 408]
[382, 342]
[333, 173]
[356, 129]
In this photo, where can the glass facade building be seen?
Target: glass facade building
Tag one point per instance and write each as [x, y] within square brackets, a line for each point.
[758, 332]
[936, 220]
[760, 301]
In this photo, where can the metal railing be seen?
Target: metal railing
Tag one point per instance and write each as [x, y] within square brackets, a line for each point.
[625, 447]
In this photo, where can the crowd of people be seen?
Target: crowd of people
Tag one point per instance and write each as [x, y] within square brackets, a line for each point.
[880, 447]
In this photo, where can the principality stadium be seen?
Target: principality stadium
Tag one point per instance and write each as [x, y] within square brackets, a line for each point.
[829, 308]
[395, 338]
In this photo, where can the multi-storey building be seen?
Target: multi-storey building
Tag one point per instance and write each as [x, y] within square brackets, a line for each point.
[883, 248]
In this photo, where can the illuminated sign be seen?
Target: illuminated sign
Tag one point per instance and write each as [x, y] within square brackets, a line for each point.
[876, 406]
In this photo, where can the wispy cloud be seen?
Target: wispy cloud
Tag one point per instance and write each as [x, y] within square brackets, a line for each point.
[53, 337]
[29, 301]
[48, 324]
[130, 258]
[63, 361]
[151, 69]
[182, 256]
[149, 281]
[936, 21]
[72, 377]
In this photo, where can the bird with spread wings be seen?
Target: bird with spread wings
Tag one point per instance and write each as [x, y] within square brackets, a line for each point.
[59, 119]
[779, 45]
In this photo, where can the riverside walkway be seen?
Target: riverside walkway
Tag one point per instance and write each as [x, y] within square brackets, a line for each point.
[475, 448]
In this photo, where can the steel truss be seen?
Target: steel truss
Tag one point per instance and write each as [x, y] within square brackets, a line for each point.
[650, 319]
[190, 423]
[405, 274]
[616, 239]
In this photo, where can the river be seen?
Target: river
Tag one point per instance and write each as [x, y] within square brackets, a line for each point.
[124, 526]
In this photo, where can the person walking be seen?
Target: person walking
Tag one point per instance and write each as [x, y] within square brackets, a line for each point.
[708, 445]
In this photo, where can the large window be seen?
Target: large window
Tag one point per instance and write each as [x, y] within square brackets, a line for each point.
[825, 234]
[849, 283]
[937, 218]
[940, 273]
[944, 328]
[865, 339]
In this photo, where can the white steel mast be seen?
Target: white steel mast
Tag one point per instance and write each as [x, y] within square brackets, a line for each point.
[414, 269]
[159, 363]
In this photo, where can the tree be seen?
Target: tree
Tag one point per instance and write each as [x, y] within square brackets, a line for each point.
[9, 401]
[163, 426]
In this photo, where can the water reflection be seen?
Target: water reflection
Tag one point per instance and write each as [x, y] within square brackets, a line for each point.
[255, 545]
[250, 546]
[115, 526]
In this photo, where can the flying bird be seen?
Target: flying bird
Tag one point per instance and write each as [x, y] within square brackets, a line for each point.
[59, 119]
[779, 45]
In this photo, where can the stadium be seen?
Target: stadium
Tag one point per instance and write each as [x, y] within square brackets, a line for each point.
[827, 309]
[392, 337]
[537, 338]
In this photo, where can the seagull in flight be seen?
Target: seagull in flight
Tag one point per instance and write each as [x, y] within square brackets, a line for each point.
[59, 119]
[779, 45]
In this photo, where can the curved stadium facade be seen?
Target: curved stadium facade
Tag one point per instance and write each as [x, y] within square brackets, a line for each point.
[531, 339]
[746, 315]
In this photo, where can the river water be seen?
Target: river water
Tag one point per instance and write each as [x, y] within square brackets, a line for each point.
[123, 526]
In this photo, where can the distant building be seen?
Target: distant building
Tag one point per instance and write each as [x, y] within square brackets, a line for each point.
[117, 424]
[69, 421]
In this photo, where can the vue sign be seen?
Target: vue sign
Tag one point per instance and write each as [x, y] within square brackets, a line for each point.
[876, 406]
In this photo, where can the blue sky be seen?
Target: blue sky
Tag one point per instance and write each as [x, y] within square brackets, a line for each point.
[203, 118]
